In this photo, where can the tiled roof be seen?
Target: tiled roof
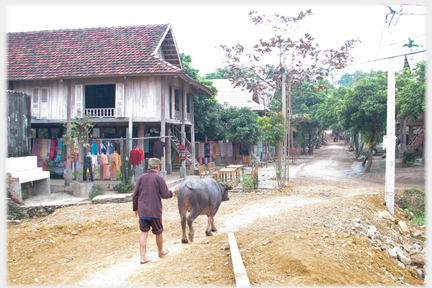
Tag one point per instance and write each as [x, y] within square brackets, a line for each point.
[238, 97]
[86, 52]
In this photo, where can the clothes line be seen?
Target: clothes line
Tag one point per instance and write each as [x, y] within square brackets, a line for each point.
[133, 138]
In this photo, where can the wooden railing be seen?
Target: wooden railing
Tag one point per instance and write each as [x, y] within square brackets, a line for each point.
[177, 115]
[100, 112]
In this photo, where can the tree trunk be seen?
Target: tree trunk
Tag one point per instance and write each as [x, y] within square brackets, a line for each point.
[359, 150]
[369, 163]
[279, 161]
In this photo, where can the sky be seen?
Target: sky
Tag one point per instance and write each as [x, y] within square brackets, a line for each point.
[199, 30]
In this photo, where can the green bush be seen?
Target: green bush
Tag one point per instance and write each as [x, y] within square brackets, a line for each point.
[408, 156]
[123, 188]
[249, 181]
[95, 191]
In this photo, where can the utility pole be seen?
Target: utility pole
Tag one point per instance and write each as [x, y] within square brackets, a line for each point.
[284, 109]
[289, 124]
[390, 142]
[390, 138]
[68, 172]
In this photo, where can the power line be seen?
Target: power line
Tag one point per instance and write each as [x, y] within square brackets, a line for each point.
[391, 57]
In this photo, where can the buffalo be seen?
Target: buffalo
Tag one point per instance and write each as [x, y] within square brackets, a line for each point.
[200, 197]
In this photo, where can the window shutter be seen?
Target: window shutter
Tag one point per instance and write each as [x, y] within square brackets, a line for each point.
[119, 100]
[44, 103]
[35, 103]
[79, 100]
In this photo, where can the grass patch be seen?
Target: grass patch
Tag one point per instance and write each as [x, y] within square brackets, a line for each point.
[413, 201]
[124, 188]
[96, 191]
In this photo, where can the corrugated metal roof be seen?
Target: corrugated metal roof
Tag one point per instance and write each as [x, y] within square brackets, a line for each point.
[238, 96]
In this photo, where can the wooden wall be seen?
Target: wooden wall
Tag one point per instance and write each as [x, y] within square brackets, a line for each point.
[142, 94]
[18, 125]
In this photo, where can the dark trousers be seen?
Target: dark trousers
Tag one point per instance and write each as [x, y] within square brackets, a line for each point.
[88, 164]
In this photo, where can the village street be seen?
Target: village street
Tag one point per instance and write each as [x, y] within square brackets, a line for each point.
[316, 231]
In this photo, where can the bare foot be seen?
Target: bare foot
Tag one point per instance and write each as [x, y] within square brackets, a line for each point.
[144, 261]
[163, 253]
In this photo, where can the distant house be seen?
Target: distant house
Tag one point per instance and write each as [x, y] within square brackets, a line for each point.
[416, 134]
[123, 77]
[241, 97]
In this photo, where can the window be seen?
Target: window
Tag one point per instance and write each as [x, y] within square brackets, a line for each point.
[56, 133]
[100, 96]
[96, 133]
[177, 100]
[39, 108]
[109, 132]
[43, 133]
[188, 110]
[170, 103]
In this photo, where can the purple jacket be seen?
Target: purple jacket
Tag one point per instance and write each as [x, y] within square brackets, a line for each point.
[150, 188]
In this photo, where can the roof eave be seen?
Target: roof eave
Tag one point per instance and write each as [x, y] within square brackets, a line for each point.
[193, 82]
[93, 76]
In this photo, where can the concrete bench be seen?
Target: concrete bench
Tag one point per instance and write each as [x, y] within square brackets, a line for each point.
[22, 175]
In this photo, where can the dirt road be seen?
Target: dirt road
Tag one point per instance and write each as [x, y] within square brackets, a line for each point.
[312, 232]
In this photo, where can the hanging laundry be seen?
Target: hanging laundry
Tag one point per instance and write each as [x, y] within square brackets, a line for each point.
[158, 148]
[43, 151]
[104, 159]
[218, 150]
[103, 147]
[110, 147]
[115, 161]
[141, 154]
[94, 150]
[35, 145]
[135, 157]
[230, 149]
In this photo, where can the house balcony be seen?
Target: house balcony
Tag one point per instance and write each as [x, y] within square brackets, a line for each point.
[100, 112]
[178, 116]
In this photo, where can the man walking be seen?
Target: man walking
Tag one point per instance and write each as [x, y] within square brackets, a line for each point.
[149, 190]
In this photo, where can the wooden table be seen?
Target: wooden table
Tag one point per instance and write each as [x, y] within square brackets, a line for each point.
[226, 173]
[238, 168]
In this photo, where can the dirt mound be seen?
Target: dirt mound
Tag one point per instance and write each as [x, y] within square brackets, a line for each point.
[305, 234]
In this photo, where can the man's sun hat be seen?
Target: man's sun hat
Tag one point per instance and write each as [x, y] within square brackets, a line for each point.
[153, 163]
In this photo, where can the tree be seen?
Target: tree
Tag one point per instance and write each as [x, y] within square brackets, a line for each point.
[306, 100]
[186, 60]
[348, 80]
[271, 128]
[220, 73]
[206, 110]
[241, 127]
[80, 131]
[307, 62]
[410, 95]
[365, 110]
[208, 121]
[328, 112]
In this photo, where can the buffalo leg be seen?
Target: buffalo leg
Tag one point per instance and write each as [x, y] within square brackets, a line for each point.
[192, 216]
[213, 227]
[209, 225]
[183, 225]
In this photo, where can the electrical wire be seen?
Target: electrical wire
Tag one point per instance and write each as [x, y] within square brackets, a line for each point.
[390, 57]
